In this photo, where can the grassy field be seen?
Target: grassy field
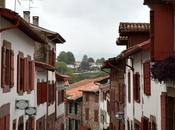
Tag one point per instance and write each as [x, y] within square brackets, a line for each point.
[86, 75]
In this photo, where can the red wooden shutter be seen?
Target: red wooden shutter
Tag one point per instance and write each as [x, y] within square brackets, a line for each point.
[25, 74]
[45, 91]
[1, 122]
[147, 81]
[38, 93]
[163, 31]
[32, 123]
[8, 122]
[163, 111]
[50, 57]
[32, 78]
[3, 65]
[18, 74]
[11, 68]
[129, 87]
[152, 33]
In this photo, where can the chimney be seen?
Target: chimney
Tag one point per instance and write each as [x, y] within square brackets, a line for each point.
[26, 16]
[2, 3]
[36, 20]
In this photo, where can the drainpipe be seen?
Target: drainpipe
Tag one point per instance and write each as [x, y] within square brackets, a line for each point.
[46, 124]
[10, 27]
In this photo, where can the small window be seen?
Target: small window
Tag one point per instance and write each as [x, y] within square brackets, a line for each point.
[136, 86]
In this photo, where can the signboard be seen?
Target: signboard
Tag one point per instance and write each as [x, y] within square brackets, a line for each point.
[21, 104]
[30, 111]
[120, 115]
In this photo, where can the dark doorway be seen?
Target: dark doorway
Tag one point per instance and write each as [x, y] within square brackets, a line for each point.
[21, 123]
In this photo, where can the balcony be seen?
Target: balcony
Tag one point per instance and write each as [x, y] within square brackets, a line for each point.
[44, 54]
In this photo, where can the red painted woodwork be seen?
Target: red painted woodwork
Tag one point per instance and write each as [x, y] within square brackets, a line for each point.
[32, 66]
[162, 28]
[144, 123]
[11, 68]
[44, 94]
[18, 74]
[136, 38]
[39, 93]
[147, 80]
[25, 74]
[163, 111]
[3, 65]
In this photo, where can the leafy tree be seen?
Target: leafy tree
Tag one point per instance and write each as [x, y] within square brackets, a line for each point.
[100, 61]
[66, 57]
[85, 58]
[70, 58]
[61, 67]
[84, 65]
[90, 60]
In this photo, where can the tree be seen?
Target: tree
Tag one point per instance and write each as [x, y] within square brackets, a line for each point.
[70, 58]
[85, 58]
[90, 60]
[100, 61]
[66, 57]
[84, 65]
[61, 67]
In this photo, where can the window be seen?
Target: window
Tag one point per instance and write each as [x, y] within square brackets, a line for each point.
[52, 92]
[52, 57]
[96, 115]
[7, 64]
[41, 92]
[129, 87]
[25, 73]
[147, 81]
[136, 85]
[86, 113]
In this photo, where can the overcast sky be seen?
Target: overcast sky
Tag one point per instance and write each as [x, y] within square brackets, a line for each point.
[88, 26]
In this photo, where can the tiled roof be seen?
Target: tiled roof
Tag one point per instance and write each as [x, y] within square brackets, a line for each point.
[61, 77]
[133, 27]
[122, 40]
[20, 23]
[88, 85]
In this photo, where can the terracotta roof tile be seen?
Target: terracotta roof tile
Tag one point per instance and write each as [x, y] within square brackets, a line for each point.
[125, 27]
[122, 40]
[88, 85]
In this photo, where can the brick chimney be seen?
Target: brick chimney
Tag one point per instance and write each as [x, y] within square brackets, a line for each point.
[36, 20]
[26, 16]
[2, 3]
